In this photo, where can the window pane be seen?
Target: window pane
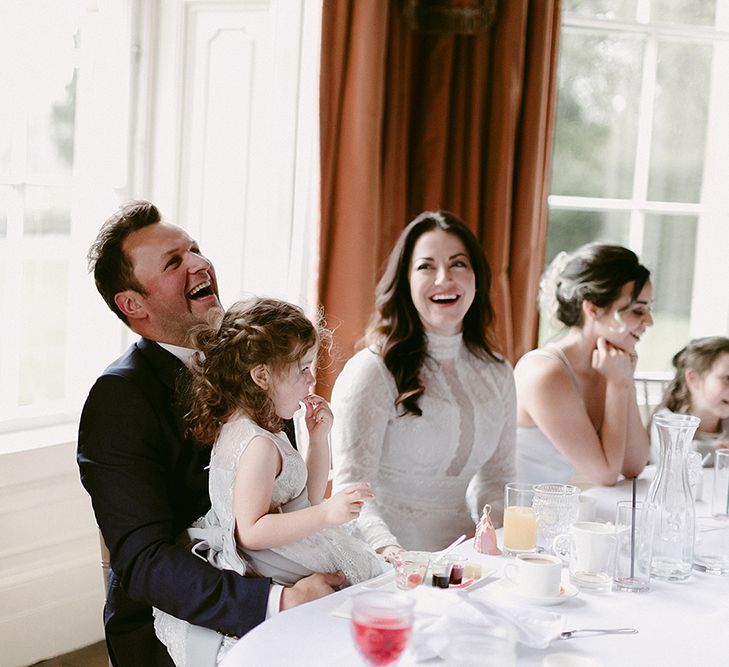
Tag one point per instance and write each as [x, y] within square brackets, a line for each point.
[6, 125]
[597, 115]
[4, 203]
[43, 335]
[569, 230]
[47, 85]
[601, 9]
[669, 249]
[50, 127]
[696, 12]
[679, 122]
[47, 211]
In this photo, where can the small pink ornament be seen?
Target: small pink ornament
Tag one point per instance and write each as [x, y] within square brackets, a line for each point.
[485, 540]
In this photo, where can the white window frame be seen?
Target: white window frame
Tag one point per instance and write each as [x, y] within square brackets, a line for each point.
[710, 298]
[140, 84]
[97, 185]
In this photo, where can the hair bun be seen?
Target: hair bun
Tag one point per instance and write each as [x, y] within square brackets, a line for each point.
[548, 287]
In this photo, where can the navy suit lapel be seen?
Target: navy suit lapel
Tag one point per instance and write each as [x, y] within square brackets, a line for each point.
[167, 365]
[173, 374]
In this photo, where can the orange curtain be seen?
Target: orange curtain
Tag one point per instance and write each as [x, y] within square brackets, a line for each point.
[413, 121]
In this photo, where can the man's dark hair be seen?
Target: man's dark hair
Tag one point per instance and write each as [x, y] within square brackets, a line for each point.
[113, 272]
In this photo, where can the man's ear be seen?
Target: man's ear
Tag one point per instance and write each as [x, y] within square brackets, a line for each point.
[130, 304]
[261, 376]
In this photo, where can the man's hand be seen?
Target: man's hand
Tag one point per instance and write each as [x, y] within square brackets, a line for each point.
[310, 588]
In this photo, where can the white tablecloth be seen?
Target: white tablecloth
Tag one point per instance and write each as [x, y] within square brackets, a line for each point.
[679, 623]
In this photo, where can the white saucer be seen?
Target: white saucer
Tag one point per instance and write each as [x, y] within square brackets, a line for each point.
[567, 591]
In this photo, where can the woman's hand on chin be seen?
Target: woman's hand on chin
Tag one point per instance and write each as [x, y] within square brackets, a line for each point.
[612, 362]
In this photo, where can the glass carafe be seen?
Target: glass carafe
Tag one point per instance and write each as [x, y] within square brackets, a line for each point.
[669, 505]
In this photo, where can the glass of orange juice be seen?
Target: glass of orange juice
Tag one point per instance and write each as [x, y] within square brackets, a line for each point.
[520, 524]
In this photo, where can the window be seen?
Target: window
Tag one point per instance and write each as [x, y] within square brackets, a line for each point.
[641, 139]
[193, 105]
[63, 134]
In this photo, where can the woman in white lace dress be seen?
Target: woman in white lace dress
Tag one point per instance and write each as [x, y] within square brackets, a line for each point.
[268, 516]
[425, 413]
[577, 416]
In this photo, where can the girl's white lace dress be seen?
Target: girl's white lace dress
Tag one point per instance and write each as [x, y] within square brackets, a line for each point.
[431, 475]
[328, 550]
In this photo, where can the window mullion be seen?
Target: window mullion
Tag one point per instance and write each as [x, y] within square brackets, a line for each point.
[642, 151]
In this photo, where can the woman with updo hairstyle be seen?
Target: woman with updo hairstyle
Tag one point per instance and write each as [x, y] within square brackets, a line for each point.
[425, 413]
[577, 416]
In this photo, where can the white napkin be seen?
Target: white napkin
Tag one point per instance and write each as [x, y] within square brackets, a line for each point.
[532, 627]
[428, 601]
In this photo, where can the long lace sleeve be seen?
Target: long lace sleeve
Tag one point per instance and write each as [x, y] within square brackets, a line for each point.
[487, 485]
[363, 405]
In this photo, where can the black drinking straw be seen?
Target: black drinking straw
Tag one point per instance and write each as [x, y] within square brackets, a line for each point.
[632, 533]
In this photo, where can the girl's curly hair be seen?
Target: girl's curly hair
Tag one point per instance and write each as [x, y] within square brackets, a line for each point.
[251, 332]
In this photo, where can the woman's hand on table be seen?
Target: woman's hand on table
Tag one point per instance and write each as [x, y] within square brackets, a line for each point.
[310, 588]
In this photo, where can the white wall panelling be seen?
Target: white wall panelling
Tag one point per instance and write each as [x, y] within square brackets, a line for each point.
[235, 137]
[51, 586]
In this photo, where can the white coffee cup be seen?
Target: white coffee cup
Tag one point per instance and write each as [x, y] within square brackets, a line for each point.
[535, 575]
[589, 546]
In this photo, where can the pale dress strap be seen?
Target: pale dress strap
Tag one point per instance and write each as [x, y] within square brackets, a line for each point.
[557, 355]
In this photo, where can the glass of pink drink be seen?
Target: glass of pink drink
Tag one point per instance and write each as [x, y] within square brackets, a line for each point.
[382, 623]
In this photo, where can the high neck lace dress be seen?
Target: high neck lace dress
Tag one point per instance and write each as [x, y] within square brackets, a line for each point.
[431, 475]
[327, 550]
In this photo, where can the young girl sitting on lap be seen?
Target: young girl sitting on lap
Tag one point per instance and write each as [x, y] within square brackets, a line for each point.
[700, 388]
[268, 514]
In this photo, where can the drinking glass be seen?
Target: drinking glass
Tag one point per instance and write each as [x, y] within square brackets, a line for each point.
[382, 623]
[440, 570]
[633, 548]
[720, 496]
[411, 568]
[520, 527]
[458, 563]
[711, 554]
[556, 507]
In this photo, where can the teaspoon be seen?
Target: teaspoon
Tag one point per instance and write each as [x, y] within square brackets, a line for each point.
[598, 631]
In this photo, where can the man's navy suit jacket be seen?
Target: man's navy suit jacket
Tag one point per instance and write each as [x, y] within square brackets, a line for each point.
[148, 482]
